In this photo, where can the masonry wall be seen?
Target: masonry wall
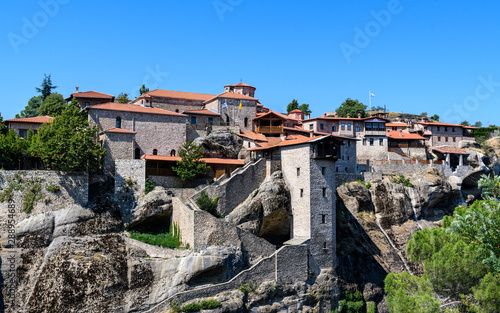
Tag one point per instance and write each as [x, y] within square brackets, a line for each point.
[404, 169]
[153, 131]
[23, 126]
[183, 217]
[134, 170]
[233, 112]
[177, 105]
[118, 146]
[378, 151]
[348, 157]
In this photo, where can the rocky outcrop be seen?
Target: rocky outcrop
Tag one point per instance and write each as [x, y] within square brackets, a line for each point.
[154, 211]
[266, 212]
[220, 143]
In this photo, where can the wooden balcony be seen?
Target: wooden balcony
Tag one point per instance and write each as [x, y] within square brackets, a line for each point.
[270, 129]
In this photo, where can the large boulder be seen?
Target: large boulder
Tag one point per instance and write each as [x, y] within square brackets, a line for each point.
[220, 143]
[154, 208]
[266, 212]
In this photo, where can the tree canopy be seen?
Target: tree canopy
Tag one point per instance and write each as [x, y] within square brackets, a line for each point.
[122, 98]
[3, 127]
[31, 110]
[294, 105]
[53, 105]
[46, 87]
[435, 117]
[378, 108]
[190, 166]
[304, 107]
[143, 89]
[351, 107]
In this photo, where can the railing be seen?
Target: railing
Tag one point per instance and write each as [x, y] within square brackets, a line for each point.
[375, 132]
[270, 129]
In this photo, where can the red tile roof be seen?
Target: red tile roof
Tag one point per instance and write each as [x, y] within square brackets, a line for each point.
[119, 130]
[243, 85]
[92, 94]
[34, 120]
[202, 112]
[232, 95]
[346, 118]
[113, 106]
[177, 95]
[401, 135]
[295, 111]
[439, 124]
[397, 124]
[450, 150]
[290, 142]
[261, 115]
[253, 136]
[206, 160]
[300, 129]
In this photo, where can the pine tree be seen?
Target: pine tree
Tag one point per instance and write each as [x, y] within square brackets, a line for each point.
[46, 87]
[143, 90]
[190, 166]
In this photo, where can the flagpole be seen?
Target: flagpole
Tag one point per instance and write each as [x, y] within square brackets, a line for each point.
[370, 99]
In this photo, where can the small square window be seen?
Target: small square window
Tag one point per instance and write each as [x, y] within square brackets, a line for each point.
[364, 141]
[311, 126]
[23, 133]
[346, 169]
[323, 218]
[348, 126]
[321, 126]
[446, 139]
[348, 143]
[193, 120]
[210, 120]
[301, 193]
[324, 245]
[298, 171]
[439, 138]
[347, 158]
[342, 126]
[324, 192]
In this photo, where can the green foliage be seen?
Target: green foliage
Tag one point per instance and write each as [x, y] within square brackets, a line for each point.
[172, 239]
[54, 188]
[175, 307]
[149, 186]
[143, 89]
[372, 308]
[190, 166]
[490, 187]
[14, 183]
[367, 185]
[478, 124]
[68, 143]
[210, 304]
[247, 288]
[205, 203]
[46, 87]
[304, 107]
[122, 98]
[424, 114]
[53, 105]
[191, 307]
[465, 123]
[13, 148]
[401, 179]
[435, 117]
[31, 110]
[409, 294]
[292, 106]
[378, 108]
[351, 107]
[488, 293]
[352, 303]
[33, 195]
[3, 127]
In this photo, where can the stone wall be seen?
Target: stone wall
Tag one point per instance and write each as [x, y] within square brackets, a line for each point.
[347, 159]
[177, 105]
[377, 151]
[176, 182]
[118, 146]
[183, 217]
[236, 189]
[23, 126]
[73, 189]
[404, 169]
[233, 113]
[133, 170]
[192, 132]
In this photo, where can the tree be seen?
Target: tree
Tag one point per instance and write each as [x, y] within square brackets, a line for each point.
[305, 108]
[292, 106]
[435, 117]
[465, 123]
[13, 148]
[478, 124]
[351, 107]
[143, 90]
[46, 87]
[424, 114]
[3, 127]
[53, 105]
[409, 294]
[190, 166]
[31, 110]
[378, 108]
[68, 143]
[122, 98]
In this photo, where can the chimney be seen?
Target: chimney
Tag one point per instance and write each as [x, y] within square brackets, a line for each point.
[311, 133]
[77, 89]
[335, 114]
[359, 115]
[400, 133]
[309, 116]
[348, 115]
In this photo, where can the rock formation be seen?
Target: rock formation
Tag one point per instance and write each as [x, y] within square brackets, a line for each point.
[220, 143]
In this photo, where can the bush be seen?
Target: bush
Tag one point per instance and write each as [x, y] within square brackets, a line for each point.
[205, 203]
[150, 185]
[210, 304]
[191, 307]
[247, 288]
[367, 185]
[401, 179]
[53, 188]
[172, 239]
[353, 303]
[34, 194]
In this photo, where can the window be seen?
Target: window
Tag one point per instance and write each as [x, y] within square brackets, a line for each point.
[342, 126]
[23, 133]
[357, 127]
[337, 169]
[323, 170]
[311, 126]
[35, 132]
[323, 218]
[334, 128]
[298, 171]
[172, 153]
[211, 120]
[155, 152]
[227, 120]
[364, 141]
[342, 157]
[381, 141]
[137, 153]
[349, 126]
[324, 192]
[193, 120]
[446, 129]
[454, 139]
[446, 139]
[301, 193]
[439, 128]
[246, 122]
[453, 129]
[176, 110]
[321, 126]
[371, 141]
[346, 169]
[249, 144]
[439, 138]
[87, 104]
[324, 245]
[118, 122]
[348, 143]
[347, 158]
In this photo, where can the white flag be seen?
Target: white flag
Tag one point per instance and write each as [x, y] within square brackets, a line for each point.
[224, 105]
[372, 95]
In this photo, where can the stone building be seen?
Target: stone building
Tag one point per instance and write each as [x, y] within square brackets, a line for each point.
[87, 98]
[202, 122]
[175, 101]
[439, 134]
[23, 125]
[130, 131]
[236, 109]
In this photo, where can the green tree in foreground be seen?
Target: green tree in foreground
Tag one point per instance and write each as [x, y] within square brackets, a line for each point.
[53, 105]
[3, 127]
[46, 87]
[122, 98]
[31, 110]
[292, 106]
[13, 148]
[190, 166]
[351, 107]
[68, 143]
[143, 89]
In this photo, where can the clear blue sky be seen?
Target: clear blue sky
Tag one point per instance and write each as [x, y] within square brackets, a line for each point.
[416, 56]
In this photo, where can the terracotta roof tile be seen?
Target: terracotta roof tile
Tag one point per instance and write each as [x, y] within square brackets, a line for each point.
[202, 112]
[253, 136]
[113, 106]
[243, 85]
[439, 124]
[401, 135]
[119, 130]
[232, 95]
[397, 124]
[450, 150]
[34, 120]
[206, 160]
[177, 95]
[92, 94]
[295, 111]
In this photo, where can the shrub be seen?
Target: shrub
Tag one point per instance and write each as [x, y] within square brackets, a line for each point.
[401, 179]
[191, 307]
[367, 185]
[210, 304]
[150, 185]
[247, 288]
[32, 196]
[353, 303]
[53, 188]
[172, 239]
[205, 203]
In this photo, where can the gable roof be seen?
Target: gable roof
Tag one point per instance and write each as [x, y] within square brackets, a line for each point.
[92, 94]
[401, 135]
[279, 115]
[231, 95]
[119, 130]
[124, 107]
[253, 136]
[450, 150]
[33, 120]
[333, 118]
[440, 124]
[177, 95]
[396, 124]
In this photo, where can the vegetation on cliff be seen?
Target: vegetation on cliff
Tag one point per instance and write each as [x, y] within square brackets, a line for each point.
[190, 166]
[461, 261]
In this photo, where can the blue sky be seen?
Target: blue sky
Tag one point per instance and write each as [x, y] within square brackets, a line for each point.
[415, 56]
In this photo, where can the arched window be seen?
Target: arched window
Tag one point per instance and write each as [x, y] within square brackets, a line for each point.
[246, 121]
[118, 122]
[137, 153]
[176, 110]
[155, 152]
[172, 153]
[227, 120]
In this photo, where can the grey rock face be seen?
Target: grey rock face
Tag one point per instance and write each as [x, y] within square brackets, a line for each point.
[157, 202]
[221, 143]
[266, 212]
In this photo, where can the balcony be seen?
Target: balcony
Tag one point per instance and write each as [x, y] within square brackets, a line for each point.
[375, 132]
[270, 129]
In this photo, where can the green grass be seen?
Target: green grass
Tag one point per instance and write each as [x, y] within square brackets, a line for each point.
[210, 304]
[191, 307]
[172, 239]
[53, 188]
